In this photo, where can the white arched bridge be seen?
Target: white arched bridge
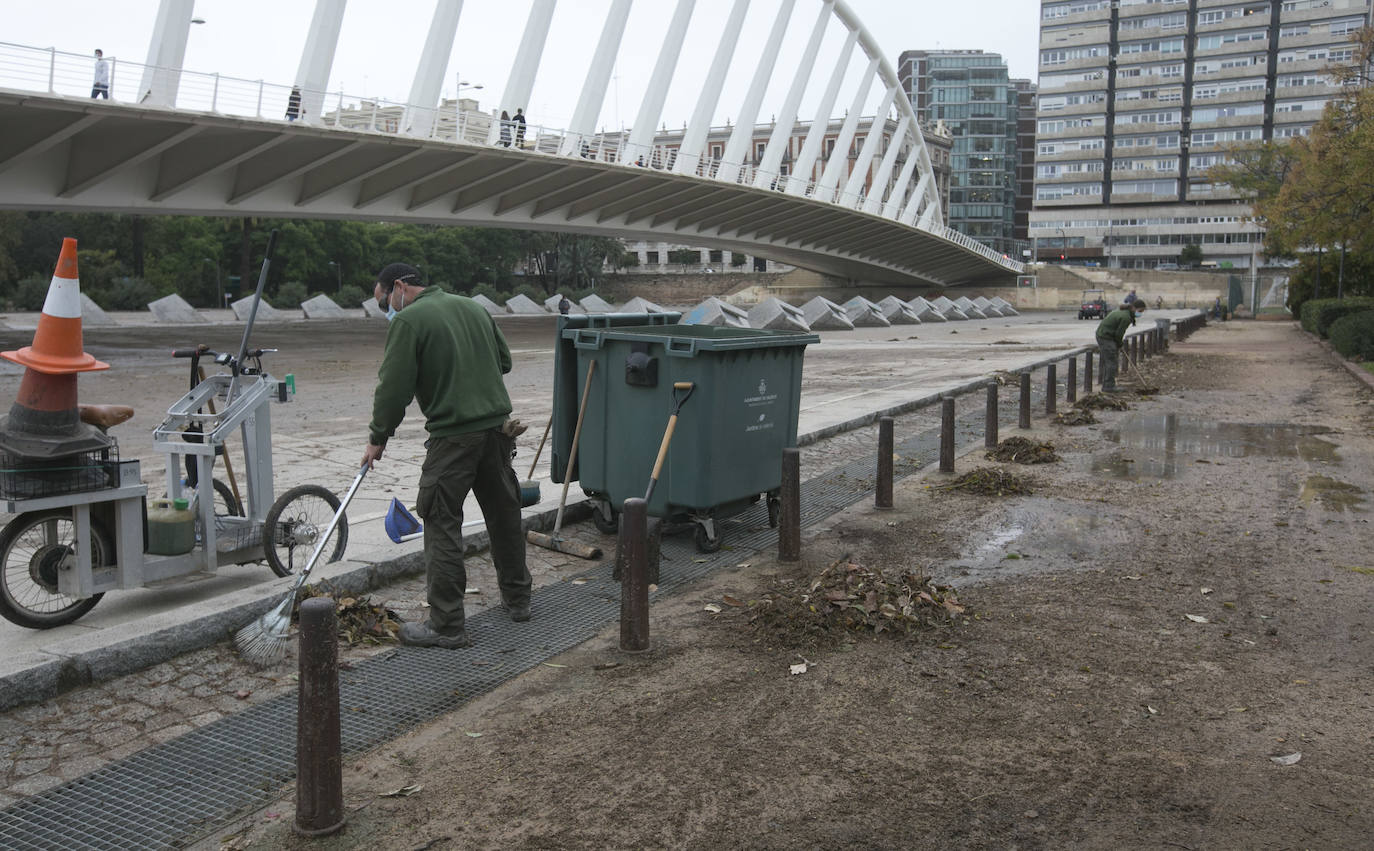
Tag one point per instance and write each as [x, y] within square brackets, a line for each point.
[854, 197]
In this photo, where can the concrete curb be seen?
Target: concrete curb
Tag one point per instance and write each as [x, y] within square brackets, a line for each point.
[1361, 374]
[101, 656]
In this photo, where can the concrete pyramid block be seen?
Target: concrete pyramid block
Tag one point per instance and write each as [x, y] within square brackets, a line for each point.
[266, 312]
[925, 311]
[822, 314]
[322, 307]
[551, 304]
[596, 304]
[776, 314]
[713, 311]
[987, 307]
[174, 310]
[898, 312]
[525, 306]
[372, 310]
[641, 305]
[968, 309]
[864, 313]
[91, 314]
[949, 310]
[487, 304]
[1005, 306]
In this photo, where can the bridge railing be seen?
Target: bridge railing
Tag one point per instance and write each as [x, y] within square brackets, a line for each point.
[71, 75]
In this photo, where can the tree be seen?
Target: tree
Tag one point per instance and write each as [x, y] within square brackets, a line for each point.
[1191, 255]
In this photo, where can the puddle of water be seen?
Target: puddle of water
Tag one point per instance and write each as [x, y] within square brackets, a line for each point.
[1156, 442]
[1037, 535]
[1331, 494]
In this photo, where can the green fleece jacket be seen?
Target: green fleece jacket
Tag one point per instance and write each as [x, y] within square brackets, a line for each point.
[445, 351]
[1114, 326]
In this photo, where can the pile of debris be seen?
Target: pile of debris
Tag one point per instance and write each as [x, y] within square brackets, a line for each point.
[1103, 402]
[848, 598]
[1019, 450]
[990, 481]
[360, 620]
[1075, 416]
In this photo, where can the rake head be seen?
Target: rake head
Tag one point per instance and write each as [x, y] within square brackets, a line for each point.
[264, 641]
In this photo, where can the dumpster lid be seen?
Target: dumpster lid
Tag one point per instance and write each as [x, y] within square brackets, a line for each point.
[686, 339]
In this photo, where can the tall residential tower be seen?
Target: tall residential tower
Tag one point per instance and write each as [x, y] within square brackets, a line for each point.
[1138, 98]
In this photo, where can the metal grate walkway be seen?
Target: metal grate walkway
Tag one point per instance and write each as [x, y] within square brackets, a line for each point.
[171, 795]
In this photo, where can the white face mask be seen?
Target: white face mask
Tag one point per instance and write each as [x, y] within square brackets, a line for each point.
[391, 312]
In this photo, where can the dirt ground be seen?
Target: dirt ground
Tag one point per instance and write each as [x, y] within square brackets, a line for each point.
[1184, 599]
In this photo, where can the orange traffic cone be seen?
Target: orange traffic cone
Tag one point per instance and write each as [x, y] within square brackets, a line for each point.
[44, 422]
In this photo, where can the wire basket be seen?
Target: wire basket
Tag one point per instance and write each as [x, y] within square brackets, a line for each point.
[25, 477]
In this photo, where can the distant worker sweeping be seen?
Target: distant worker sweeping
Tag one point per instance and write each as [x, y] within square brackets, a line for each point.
[446, 351]
[1110, 332]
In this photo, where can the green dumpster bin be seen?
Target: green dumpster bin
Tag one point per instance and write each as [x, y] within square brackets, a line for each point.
[727, 448]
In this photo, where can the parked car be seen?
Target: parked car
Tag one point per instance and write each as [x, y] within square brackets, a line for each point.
[1167, 267]
[1093, 305]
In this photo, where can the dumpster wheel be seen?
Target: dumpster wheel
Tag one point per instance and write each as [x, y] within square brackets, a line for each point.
[706, 535]
[774, 510]
[605, 518]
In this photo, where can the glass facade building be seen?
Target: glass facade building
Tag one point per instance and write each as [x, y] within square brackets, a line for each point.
[970, 93]
[1139, 98]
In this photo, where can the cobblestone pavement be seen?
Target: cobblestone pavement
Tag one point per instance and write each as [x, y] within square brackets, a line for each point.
[44, 745]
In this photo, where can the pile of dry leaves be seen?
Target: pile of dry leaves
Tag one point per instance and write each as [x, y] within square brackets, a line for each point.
[1075, 416]
[848, 598]
[360, 620]
[1102, 402]
[1023, 451]
[990, 481]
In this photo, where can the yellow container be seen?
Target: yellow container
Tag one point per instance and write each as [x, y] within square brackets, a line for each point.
[171, 527]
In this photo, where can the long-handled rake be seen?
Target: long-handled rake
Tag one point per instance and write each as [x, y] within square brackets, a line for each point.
[264, 641]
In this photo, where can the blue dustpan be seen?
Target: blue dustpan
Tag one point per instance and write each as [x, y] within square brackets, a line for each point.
[401, 525]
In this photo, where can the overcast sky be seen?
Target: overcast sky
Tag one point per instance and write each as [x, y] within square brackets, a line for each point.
[381, 42]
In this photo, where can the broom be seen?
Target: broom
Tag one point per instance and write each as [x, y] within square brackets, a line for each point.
[264, 641]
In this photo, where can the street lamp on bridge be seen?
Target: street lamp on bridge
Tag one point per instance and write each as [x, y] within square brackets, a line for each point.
[338, 277]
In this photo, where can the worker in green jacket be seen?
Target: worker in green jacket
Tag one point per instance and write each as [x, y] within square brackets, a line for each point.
[1110, 332]
[446, 352]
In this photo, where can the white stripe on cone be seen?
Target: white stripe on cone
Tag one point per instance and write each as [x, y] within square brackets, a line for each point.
[64, 298]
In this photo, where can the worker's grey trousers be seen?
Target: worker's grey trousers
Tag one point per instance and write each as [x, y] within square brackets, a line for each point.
[478, 462]
[1109, 349]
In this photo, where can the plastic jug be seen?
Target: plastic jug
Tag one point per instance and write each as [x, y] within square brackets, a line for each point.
[171, 527]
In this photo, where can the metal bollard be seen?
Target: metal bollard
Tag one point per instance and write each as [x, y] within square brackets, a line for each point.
[1071, 382]
[1024, 412]
[1088, 372]
[990, 420]
[1051, 388]
[319, 759]
[882, 494]
[789, 513]
[947, 434]
[634, 582]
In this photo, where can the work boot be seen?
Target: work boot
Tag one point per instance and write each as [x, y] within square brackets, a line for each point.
[424, 635]
[519, 612]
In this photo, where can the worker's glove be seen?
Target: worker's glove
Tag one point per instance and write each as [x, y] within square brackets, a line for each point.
[513, 428]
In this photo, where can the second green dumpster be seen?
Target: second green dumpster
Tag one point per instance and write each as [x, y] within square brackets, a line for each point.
[727, 449]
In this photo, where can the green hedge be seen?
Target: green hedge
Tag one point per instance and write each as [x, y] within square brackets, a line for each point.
[1353, 335]
[1318, 314]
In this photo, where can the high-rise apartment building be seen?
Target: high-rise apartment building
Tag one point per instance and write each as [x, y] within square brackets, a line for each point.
[1025, 159]
[971, 93]
[1139, 98]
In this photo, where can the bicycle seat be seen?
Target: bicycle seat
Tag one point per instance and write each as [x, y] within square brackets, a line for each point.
[104, 416]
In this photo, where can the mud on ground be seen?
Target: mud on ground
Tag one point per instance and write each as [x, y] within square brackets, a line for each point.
[1180, 602]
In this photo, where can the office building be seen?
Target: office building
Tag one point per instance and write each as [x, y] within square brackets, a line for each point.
[1139, 98]
[970, 92]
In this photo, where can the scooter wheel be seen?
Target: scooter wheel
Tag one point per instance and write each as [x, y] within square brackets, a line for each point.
[294, 525]
[33, 549]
